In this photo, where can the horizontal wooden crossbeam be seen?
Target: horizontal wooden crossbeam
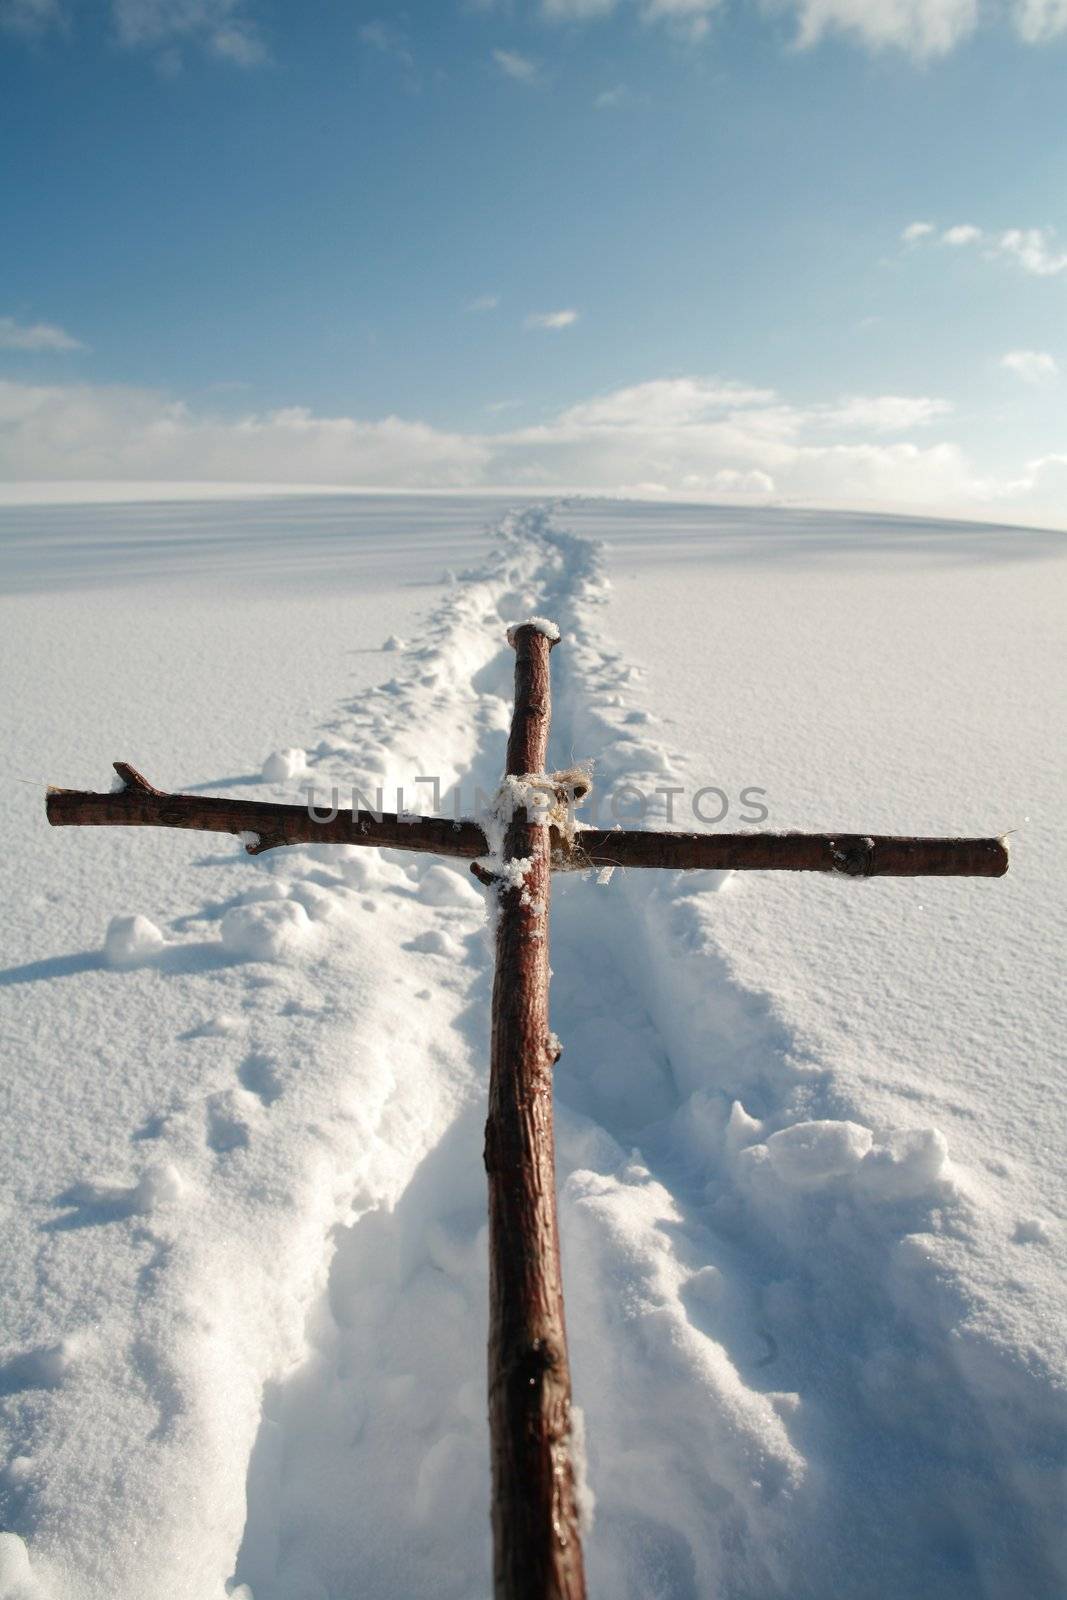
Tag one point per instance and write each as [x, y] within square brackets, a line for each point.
[139, 805]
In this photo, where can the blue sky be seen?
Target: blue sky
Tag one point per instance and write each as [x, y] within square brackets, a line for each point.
[643, 245]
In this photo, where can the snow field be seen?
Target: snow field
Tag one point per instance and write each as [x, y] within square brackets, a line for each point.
[252, 1348]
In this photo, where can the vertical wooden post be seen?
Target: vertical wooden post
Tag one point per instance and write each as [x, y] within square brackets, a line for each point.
[537, 1553]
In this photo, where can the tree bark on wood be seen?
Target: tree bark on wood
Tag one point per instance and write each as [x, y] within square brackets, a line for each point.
[537, 1553]
[140, 805]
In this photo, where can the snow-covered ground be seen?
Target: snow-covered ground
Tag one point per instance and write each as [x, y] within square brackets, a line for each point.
[810, 1132]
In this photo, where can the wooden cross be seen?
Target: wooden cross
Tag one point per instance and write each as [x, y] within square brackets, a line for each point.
[537, 1548]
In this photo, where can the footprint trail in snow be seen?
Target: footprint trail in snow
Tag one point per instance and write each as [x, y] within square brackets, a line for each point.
[751, 1275]
[784, 1389]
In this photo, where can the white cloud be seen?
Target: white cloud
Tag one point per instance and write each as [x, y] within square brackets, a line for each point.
[1032, 248]
[552, 319]
[610, 99]
[514, 65]
[885, 413]
[241, 45]
[381, 36]
[222, 27]
[577, 10]
[922, 28]
[963, 233]
[30, 16]
[662, 403]
[727, 481]
[85, 431]
[35, 336]
[685, 436]
[679, 436]
[484, 302]
[1038, 20]
[389, 41]
[1033, 366]
[689, 18]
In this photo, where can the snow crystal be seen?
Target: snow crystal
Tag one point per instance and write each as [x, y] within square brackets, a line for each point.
[584, 1498]
[512, 874]
[527, 795]
[131, 941]
[281, 765]
[542, 624]
[811, 1153]
[270, 930]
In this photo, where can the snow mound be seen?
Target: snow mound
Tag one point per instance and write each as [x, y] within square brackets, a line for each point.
[905, 1164]
[218, 1027]
[441, 886]
[157, 1186]
[15, 1575]
[131, 941]
[809, 1154]
[1032, 1230]
[394, 642]
[281, 765]
[267, 930]
[435, 943]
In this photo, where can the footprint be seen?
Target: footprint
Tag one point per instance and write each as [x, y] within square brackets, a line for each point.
[153, 1127]
[227, 1129]
[260, 1076]
[218, 1027]
[43, 1368]
[434, 943]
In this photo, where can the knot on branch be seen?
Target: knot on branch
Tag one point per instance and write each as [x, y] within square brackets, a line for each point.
[134, 780]
[855, 859]
[529, 1365]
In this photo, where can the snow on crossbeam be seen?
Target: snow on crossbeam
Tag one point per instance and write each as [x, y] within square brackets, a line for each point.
[138, 804]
